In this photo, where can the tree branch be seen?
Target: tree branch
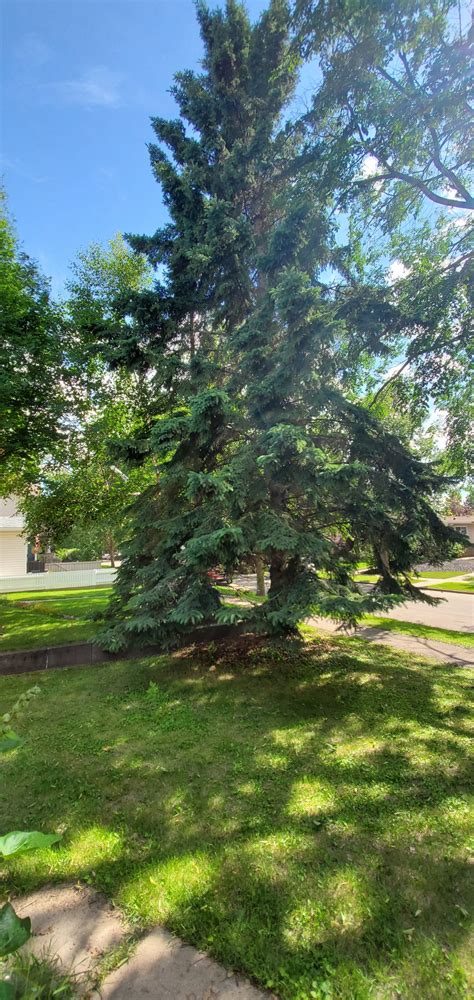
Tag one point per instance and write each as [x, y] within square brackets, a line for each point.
[467, 199]
[388, 382]
[445, 171]
[400, 175]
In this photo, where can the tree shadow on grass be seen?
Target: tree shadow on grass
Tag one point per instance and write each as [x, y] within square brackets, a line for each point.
[300, 814]
[456, 655]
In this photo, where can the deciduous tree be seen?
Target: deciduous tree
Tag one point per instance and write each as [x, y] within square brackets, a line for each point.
[393, 107]
[33, 376]
[396, 96]
[87, 494]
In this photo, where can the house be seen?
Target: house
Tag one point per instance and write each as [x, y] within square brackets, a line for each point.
[465, 524]
[13, 544]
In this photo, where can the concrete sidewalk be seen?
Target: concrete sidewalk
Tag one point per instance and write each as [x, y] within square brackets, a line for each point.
[164, 968]
[82, 929]
[457, 656]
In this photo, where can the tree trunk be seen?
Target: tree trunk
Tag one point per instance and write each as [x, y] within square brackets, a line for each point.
[283, 572]
[260, 576]
[192, 338]
[382, 560]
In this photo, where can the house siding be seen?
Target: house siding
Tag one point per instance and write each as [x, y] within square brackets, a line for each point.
[13, 545]
[465, 524]
[13, 551]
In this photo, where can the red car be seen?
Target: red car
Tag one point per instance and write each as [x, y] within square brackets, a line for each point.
[218, 576]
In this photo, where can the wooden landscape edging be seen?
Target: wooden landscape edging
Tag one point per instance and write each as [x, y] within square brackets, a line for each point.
[87, 654]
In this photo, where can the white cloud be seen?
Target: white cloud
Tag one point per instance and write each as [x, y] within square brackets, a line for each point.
[98, 87]
[396, 272]
[449, 192]
[370, 166]
[461, 221]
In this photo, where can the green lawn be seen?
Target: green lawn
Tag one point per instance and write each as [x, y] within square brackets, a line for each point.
[423, 631]
[49, 618]
[301, 814]
[463, 586]
[83, 601]
[244, 595]
[434, 575]
[439, 574]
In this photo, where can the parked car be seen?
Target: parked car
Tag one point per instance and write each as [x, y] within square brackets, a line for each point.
[218, 576]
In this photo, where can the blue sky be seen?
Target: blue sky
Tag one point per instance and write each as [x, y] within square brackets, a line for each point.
[81, 79]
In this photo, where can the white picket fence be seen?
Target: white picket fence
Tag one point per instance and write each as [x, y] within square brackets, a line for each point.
[56, 581]
[72, 567]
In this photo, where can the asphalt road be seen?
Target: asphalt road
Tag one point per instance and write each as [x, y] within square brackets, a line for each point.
[455, 611]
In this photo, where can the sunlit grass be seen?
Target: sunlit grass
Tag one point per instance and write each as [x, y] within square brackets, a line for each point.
[439, 574]
[302, 814]
[81, 600]
[452, 636]
[42, 618]
[48, 618]
[462, 586]
[29, 629]
[414, 577]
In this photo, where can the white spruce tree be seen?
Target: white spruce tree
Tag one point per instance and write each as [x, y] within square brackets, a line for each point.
[259, 442]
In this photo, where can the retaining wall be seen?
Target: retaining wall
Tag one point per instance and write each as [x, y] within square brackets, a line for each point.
[86, 654]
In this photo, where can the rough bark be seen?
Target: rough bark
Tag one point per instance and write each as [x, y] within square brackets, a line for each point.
[260, 576]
